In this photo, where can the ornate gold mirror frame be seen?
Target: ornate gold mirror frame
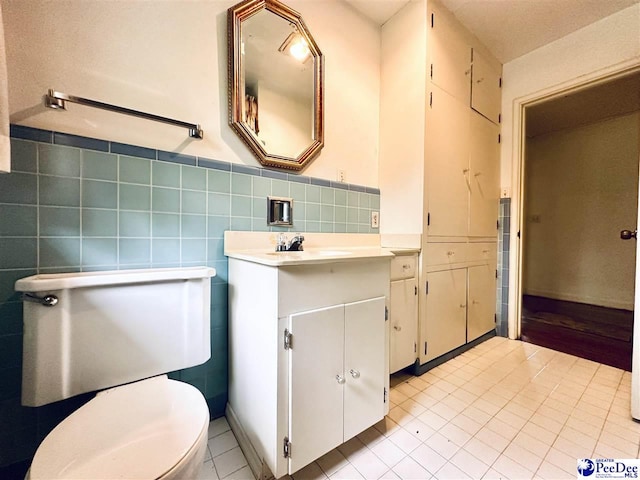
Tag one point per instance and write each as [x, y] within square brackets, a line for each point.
[243, 106]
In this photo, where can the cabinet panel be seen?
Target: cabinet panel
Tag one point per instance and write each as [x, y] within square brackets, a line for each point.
[403, 328]
[482, 300]
[485, 88]
[364, 367]
[447, 146]
[450, 57]
[316, 396]
[484, 164]
[446, 311]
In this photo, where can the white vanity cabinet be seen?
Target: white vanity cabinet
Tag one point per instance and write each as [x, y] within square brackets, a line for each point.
[403, 311]
[308, 357]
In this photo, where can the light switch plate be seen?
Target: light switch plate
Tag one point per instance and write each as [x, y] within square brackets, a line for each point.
[375, 219]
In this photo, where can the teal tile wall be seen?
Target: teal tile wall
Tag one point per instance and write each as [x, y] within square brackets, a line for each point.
[69, 208]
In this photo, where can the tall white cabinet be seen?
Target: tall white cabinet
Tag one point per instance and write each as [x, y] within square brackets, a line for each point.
[439, 168]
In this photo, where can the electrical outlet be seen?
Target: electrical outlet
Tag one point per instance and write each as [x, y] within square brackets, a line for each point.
[342, 176]
[375, 219]
[505, 192]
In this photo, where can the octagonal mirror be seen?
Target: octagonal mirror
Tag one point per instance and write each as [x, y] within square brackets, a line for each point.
[275, 84]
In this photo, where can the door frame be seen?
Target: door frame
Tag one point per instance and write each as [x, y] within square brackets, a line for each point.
[517, 178]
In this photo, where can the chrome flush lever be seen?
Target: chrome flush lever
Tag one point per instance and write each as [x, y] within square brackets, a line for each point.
[47, 300]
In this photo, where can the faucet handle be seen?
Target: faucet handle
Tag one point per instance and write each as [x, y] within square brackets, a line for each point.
[282, 242]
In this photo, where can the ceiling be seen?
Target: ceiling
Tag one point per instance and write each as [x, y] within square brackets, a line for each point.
[607, 100]
[510, 28]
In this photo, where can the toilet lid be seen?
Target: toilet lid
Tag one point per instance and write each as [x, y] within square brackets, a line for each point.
[140, 430]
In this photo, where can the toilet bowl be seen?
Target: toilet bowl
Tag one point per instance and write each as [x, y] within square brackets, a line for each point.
[151, 429]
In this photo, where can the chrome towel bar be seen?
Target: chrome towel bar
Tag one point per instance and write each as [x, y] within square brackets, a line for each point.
[58, 100]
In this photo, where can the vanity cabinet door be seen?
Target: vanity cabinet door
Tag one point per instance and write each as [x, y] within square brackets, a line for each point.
[403, 328]
[316, 384]
[364, 365]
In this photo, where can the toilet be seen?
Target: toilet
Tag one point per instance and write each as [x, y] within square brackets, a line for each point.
[119, 333]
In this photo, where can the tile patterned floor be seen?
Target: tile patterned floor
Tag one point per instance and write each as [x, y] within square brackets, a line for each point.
[504, 409]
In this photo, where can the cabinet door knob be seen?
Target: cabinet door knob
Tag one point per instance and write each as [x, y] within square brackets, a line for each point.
[450, 253]
[340, 379]
[354, 373]
[475, 302]
[406, 266]
[463, 305]
[397, 328]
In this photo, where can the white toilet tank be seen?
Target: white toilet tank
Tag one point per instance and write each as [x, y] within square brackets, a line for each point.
[112, 327]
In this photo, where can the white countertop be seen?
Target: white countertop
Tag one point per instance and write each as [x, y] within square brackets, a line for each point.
[310, 256]
[259, 247]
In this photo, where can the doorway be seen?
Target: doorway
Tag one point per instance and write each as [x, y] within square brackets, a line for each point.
[579, 190]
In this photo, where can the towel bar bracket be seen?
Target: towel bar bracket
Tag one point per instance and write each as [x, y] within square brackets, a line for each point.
[58, 100]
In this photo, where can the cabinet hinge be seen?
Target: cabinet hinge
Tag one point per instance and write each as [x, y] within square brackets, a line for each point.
[499, 118]
[432, 70]
[497, 224]
[432, 16]
[496, 273]
[500, 82]
[518, 234]
[286, 448]
[426, 290]
[430, 99]
[384, 395]
[288, 339]
[425, 348]
[428, 218]
[495, 318]
[415, 290]
[386, 313]
[499, 138]
[415, 347]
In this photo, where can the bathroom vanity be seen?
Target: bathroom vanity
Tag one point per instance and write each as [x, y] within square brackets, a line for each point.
[308, 337]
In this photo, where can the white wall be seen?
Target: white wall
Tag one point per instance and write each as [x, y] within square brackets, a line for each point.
[611, 43]
[170, 58]
[581, 190]
[602, 48]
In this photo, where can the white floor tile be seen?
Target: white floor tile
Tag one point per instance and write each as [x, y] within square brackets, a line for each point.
[218, 426]
[426, 456]
[409, 469]
[310, 472]
[229, 462]
[469, 464]
[388, 452]
[332, 462]
[208, 471]
[503, 409]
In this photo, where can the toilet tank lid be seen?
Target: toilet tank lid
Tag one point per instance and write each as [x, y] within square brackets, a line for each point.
[60, 281]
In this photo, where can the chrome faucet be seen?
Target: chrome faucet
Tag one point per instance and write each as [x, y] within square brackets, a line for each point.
[295, 244]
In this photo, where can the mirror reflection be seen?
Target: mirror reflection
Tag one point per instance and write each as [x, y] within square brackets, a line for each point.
[278, 84]
[275, 84]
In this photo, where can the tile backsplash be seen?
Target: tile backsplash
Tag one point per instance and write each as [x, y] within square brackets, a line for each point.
[80, 204]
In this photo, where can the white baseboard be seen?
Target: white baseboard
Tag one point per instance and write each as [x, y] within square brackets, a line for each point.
[258, 468]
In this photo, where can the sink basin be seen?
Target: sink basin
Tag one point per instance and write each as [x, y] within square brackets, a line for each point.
[322, 253]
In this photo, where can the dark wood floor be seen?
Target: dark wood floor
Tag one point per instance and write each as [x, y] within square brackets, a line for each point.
[597, 333]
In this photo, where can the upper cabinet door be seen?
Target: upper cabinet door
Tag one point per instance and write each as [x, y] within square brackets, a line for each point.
[484, 177]
[450, 67]
[485, 88]
[447, 148]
